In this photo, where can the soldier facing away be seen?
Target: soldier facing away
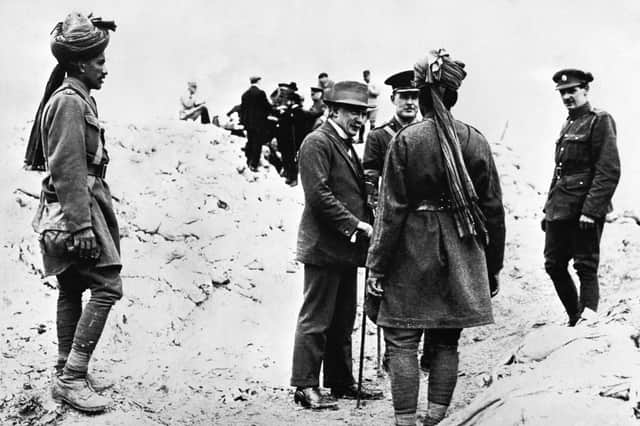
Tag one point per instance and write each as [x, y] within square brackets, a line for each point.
[586, 174]
[438, 241]
[79, 235]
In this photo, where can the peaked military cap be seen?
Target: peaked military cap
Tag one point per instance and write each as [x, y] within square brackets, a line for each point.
[316, 89]
[571, 77]
[402, 82]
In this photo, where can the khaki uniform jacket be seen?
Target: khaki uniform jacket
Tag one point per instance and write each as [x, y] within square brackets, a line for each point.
[72, 199]
[587, 166]
[432, 278]
[335, 201]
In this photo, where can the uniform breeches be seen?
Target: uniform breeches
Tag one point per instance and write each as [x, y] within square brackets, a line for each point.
[325, 324]
[402, 347]
[80, 329]
[564, 240]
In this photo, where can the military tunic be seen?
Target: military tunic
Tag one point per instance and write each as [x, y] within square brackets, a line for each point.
[432, 278]
[586, 173]
[375, 150]
[587, 166]
[74, 194]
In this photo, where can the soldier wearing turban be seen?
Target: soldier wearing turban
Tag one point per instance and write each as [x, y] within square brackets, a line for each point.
[438, 241]
[76, 222]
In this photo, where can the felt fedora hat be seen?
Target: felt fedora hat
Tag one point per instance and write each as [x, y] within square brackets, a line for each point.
[349, 93]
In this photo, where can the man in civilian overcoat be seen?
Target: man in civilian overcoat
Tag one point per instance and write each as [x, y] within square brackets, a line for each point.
[332, 243]
[254, 110]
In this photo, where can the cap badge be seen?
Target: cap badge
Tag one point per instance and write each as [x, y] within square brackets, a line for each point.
[564, 77]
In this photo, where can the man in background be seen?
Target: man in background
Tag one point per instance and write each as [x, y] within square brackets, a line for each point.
[318, 109]
[254, 109]
[373, 102]
[325, 83]
[191, 107]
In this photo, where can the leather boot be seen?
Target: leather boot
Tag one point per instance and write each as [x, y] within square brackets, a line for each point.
[312, 398]
[98, 385]
[77, 393]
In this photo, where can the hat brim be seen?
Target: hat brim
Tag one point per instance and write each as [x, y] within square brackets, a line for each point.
[407, 90]
[563, 86]
[349, 102]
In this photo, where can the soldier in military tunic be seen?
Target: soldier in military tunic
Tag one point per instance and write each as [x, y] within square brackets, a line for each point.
[78, 229]
[586, 173]
[405, 99]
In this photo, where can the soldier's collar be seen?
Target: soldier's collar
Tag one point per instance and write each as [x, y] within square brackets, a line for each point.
[580, 111]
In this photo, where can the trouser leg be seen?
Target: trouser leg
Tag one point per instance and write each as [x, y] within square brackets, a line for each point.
[402, 348]
[443, 374]
[106, 289]
[338, 361]
[69, 309]
[204, 115]
[315, 318]
[557, 253]
[585, 261]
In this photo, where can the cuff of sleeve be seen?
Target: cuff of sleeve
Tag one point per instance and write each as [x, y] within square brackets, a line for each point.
[349, 228]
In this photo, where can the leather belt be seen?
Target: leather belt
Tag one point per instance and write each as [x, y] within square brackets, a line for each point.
[99, 170]
[433, 206]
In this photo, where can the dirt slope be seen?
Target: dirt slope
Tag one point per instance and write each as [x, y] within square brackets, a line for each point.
[205, 331]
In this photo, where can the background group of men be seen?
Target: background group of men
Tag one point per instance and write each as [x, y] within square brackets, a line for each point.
[279, 122]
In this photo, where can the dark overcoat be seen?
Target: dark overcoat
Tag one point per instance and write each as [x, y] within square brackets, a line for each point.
[335, 201]
[587, 166]
[73, 198]
[254, 109]
[433, 278]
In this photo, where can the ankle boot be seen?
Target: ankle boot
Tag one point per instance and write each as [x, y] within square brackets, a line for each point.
[77, 393]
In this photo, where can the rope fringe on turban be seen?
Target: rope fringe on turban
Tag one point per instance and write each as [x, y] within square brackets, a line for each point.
[440, 72]
[78, 37]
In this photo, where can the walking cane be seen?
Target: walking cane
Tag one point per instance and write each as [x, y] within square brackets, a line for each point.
[362, 336]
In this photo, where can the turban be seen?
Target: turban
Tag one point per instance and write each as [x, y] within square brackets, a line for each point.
[438, 72]
[438, 69]
[78, 37]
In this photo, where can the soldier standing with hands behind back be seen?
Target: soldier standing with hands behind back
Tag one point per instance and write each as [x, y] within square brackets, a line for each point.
[584, 179]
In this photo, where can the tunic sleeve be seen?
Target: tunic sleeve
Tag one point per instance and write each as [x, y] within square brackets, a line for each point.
[315, 166]
[392, 208]
[486, 180]
[604, 151]
[67, 159]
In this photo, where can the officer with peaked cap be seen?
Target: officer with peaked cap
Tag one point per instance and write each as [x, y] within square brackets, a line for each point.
[586, 173]
[332, 243]
[405, 99]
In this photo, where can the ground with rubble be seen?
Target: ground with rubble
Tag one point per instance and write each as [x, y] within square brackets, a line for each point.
[204, 333]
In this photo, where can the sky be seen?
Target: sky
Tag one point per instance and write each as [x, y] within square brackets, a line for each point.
[511, 49]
